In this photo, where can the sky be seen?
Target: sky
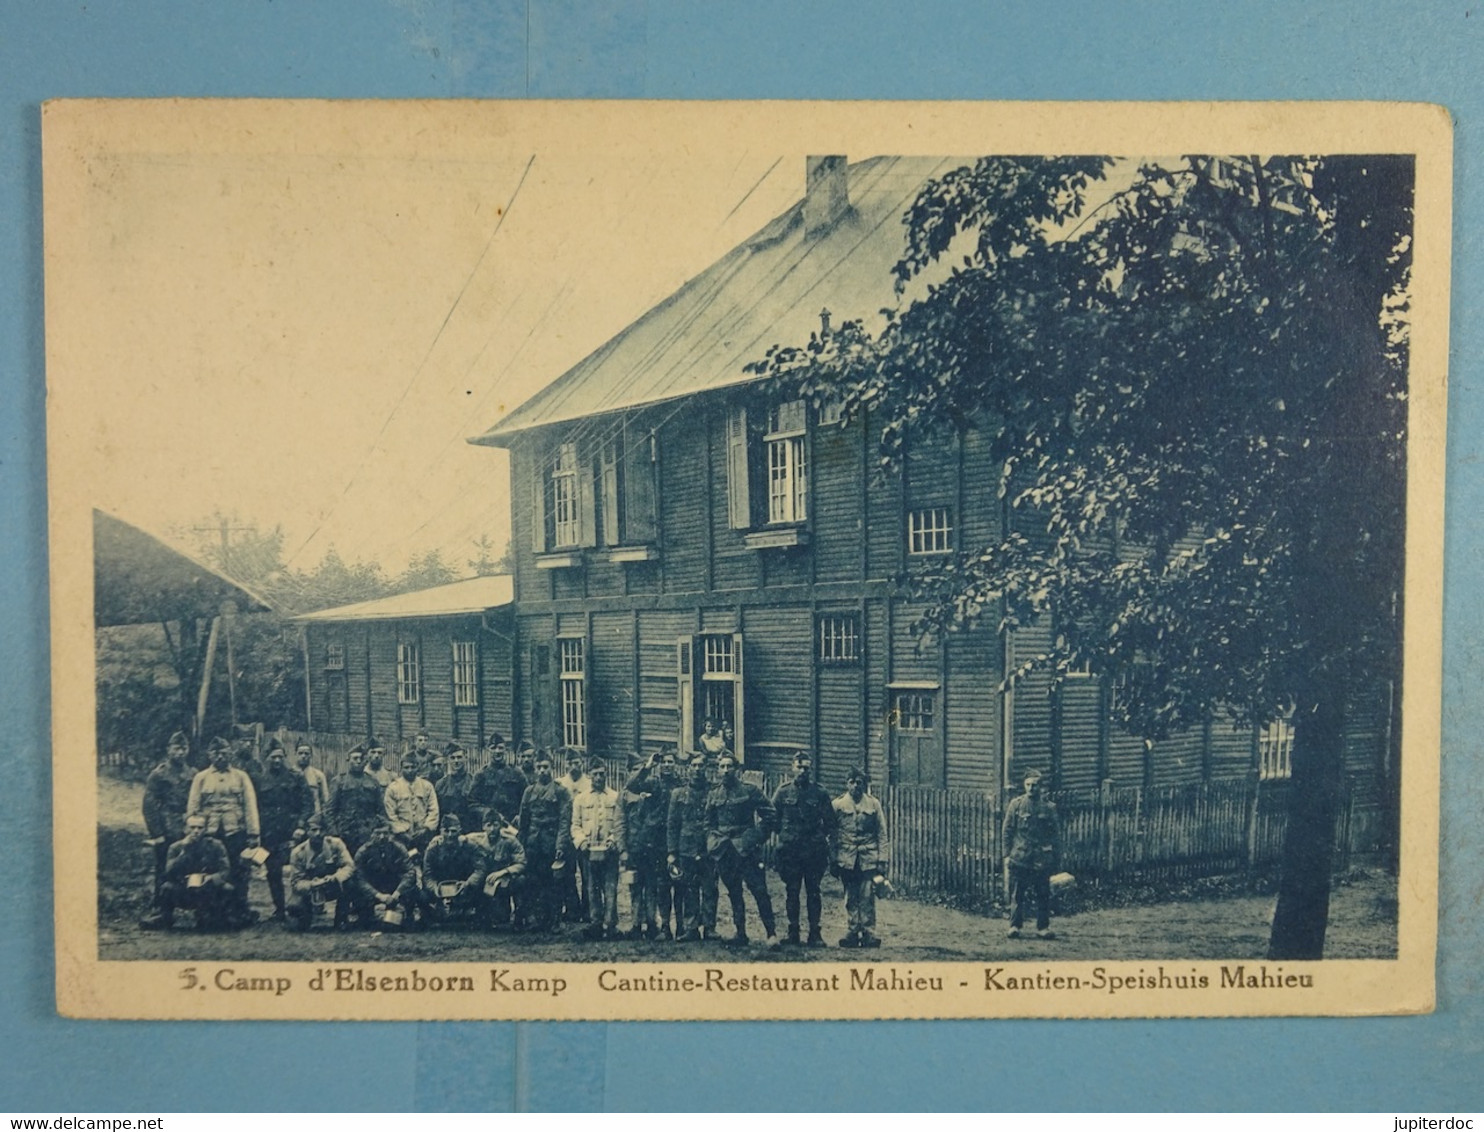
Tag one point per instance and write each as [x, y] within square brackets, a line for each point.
[299, 321]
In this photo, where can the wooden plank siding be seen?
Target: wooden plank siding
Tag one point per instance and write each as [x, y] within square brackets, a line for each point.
[972, 708]
[610, 666]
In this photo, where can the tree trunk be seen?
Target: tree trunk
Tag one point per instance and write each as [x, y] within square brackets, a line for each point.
[1308, 847]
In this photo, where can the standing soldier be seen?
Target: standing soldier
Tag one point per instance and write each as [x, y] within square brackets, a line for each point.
[314, 778]
[356, 802]
[862, 853]
[576, 903]
[412, 804]
[646, 816]
[546, 833]
[691, 871]
[1032, 837]
[376, 762]
[500, 785]
[223, 794]
[455, 788]
[598, 837]
[738, 821]
[167, 793]
[806, 819]
[284, 805]
[423, 754]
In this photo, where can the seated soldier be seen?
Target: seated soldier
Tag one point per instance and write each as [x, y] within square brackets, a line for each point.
[453, 874]
[198, 877]
[505, 866]
[383, 889]
[321, 868]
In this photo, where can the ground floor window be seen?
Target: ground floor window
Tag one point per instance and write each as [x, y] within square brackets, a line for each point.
[409, 674]
[1275, 750]
[465, 674]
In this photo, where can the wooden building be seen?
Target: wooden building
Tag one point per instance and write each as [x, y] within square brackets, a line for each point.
[684, 549]
[438, 659]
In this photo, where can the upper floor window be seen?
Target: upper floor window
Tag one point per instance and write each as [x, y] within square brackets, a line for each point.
[465, 674]
[566, 497]
[788, 469]
[335, 656]
[929, 531]
[409, 674]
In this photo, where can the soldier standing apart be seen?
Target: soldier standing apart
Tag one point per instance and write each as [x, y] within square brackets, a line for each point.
[356, 802]
[224, 796]
[314, 778]
[738, 821]
[646, 815]
[806, 819]
[284, 805]
[412, 805]
[862, 854]
[167, 793]
[1032, 837]
[320, 868]
[692, 875]
[598, 838]
[546, 833]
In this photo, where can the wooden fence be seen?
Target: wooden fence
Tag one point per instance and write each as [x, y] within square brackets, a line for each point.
[949, 843]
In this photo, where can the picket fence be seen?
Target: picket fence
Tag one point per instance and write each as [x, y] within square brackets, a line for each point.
[949, 843]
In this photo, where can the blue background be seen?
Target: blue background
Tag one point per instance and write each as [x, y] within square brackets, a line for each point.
[675, 49]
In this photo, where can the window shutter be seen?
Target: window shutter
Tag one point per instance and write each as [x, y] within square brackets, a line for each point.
[739, 699]
[538, 502]
[641, 466]
[587, 505]
[739, 477]
[609, 460]
[685, 700]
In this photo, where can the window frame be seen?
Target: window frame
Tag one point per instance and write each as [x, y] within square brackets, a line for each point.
[1275, 749]
[566, 497]
[571, 673]
[409, 673]
[334, 656]
[919, 718]
[466, 674]
[837, 637]
[786, 450]
[926, 534]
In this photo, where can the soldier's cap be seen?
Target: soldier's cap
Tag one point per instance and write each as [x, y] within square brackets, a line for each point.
[375, 744]
[219, 744]
[495, 740]
[177, 737]
[857, 773]
[274, 745]
[195, 821]
[453, 747]
[451, 819]
[358, 749]
[303, 745]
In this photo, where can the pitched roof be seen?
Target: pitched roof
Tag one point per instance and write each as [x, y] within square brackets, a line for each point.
[472, 595]
[770, 289]
[139, 579]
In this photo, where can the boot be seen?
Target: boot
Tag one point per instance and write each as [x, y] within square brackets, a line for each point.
[816, 937]
[792, 938]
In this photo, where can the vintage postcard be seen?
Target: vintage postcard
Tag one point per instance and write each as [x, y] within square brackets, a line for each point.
[745, 561]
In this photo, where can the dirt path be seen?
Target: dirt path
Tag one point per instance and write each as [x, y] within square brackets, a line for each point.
[1362, 925]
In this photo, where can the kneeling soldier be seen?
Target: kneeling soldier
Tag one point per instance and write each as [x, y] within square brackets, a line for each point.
[505, 866]
[453, 874]
[198, 877]
[320, 866]
[383, 888]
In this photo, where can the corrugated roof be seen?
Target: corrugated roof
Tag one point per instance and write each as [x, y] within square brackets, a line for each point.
[472, 595]
[768, 290]
[138, 579]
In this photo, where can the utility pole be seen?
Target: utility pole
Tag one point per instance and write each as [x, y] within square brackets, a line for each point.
[225, 529]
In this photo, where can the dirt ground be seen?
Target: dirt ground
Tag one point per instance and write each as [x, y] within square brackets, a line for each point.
[1231, 924]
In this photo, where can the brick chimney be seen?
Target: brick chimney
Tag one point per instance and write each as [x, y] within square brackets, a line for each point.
[826, 193]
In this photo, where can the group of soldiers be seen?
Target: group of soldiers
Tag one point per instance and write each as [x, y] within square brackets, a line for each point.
[512, 845]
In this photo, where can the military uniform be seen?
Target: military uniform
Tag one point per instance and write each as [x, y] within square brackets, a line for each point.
[284, 805]
[546, 833]
[228, 802]
[647, 812]
[167, 793]
[685, 841]
[738, 821]
[1032, 839]
[806, 818]
[211, 900]
[331, 866]
[500, 788]
[356, 804]
[861, 852]
[451, 859]
[383, 866]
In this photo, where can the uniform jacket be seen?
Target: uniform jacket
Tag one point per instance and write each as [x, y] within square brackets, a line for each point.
[206, 855]
[385, 865]
[453, 858]
[546, 818]
[500, 788]
[384, 775]
[284, 803]
[454, 798]
[226, 799]
[806, 818]
[332, 860]
[167, 793]
[319, 788]
[1032, 834]
[598, 821]
[412, 806]
[860, 833]
[647, 811]
[505, 852]
[738, 817]
[686, 832]
[356, 801]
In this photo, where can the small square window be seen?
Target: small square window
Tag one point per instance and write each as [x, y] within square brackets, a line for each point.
[929, 531]
[839, 638]
[914, 711]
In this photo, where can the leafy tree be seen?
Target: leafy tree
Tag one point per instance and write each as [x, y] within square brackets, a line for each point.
[425, 570]
[485, 563]
[1195, 387]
